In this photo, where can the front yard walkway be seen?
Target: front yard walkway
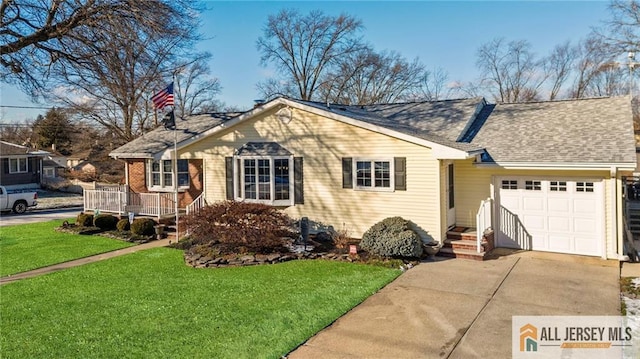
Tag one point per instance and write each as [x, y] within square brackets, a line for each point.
[78, 262]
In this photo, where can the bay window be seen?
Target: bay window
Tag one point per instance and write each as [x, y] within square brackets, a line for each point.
[264, 179]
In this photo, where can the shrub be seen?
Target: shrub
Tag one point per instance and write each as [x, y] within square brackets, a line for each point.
[240, 227]
[106, 222]
[143, 226]
[123, 225]
[392, 237]
[84, 220]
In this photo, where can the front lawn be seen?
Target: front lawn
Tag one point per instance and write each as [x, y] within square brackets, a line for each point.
[149, 304]
[29, 246]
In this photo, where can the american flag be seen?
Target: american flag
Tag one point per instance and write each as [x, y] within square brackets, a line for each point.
[163, 98]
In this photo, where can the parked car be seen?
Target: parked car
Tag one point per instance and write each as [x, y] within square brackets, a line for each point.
[17, 201]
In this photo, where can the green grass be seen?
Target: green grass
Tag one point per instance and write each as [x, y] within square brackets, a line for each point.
[29, 246]
[149, 304]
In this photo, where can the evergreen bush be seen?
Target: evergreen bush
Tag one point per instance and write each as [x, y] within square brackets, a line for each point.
[106, 222]
[392, 237]
[84, 220]
[143, 226]
[123, 225]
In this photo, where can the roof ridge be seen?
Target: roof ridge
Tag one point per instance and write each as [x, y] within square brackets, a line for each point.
[475, 98]
[563, 100]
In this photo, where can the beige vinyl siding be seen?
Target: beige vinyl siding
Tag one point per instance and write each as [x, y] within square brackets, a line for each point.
[323, 142]
[473, 184]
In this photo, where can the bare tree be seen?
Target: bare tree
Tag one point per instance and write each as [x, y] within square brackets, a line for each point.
[195, 89]
[510, 70]
[303, 48]
[593, 57]
[36, 35]
[18, 133]
[558, 67]
[622, 33]
[367, 77]
[119, 71]
[434, 86]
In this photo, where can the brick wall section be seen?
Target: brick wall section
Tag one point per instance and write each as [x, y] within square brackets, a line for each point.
[488, 242]
[137, 175]
[195, 183]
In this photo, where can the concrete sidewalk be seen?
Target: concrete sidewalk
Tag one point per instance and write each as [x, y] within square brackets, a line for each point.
[78, 262]
[462, 309]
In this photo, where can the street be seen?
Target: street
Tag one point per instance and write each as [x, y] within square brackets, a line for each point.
[10, 219]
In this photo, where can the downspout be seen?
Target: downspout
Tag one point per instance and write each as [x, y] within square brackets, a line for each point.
[613, 189]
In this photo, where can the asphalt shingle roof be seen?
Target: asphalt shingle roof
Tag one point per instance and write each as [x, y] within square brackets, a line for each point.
[441, 122]
[160, 139]
[597, 130]
[573, 131]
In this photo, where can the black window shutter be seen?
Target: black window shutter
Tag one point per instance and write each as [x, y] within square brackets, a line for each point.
[228, 162]
[400, 173]
[298, 181]
[347, 172]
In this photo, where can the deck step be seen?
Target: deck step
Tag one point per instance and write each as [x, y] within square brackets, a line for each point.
[461, 253]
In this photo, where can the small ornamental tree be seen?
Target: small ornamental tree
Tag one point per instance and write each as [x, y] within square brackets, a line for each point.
[240, 227]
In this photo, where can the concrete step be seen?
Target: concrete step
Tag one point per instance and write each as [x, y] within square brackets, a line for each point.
[461, 253]
[461, 244]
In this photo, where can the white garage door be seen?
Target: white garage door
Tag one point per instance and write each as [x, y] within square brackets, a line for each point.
[555, 215]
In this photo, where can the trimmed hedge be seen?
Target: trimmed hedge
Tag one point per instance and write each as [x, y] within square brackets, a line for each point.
[123, 225]
[84, 220]
[106, 222]
[143, 226]
[392, 237]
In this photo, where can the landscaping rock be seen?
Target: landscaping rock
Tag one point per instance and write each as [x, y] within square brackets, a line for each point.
[247, 259]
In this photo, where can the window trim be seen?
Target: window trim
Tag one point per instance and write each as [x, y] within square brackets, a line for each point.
[162, 187]
[239, 176]
[373, 188]
[18, 160]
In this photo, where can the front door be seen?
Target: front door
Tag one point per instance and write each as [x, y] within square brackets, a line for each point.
[451, 209]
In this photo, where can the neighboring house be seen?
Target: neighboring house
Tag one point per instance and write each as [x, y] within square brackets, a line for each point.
[20, 166]
[551, 171]
[84, 166]
[76, 158]
[51, 169]
[53, 164]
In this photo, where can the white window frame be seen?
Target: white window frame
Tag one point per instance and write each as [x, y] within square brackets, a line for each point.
[162, 187]
[238, 188]
[17, 162]
[373, 176]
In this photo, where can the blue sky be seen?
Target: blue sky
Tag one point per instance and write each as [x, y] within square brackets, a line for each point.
[441, 34]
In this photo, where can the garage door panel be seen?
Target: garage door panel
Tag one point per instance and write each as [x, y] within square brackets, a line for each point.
[561, 215]
[560, 224]
[534, 222]
[585, 226]
[585, 205]
[533, 204]
[561, 205]
[510, 202]
[559, 243]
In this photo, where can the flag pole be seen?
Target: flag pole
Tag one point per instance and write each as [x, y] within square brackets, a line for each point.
[175, 160]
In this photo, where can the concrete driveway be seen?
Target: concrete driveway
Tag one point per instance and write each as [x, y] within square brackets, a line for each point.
[462, 309]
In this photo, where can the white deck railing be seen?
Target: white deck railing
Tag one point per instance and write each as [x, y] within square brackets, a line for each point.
[483, 220]
[197, 204]
[144, 204]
